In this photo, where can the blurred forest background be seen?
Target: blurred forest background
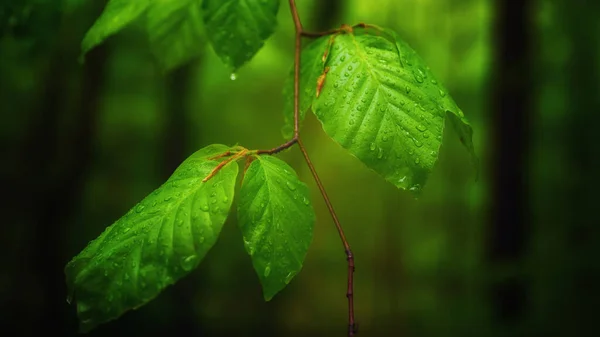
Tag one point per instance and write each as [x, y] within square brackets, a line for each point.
[512, 254]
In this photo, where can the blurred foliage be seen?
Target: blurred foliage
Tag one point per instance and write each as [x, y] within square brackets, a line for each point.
[84, 142]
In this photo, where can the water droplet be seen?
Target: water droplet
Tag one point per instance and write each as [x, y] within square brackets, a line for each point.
[168, 199]
[425, 134]
[343, 58]
[291, 186]
[380, 154]
[417, 143]
[204, 207]
[421, 128]
[188, 263]
[225, 199]
[139, 208]
[350, 68]
[402, 180]
[419, 78]
[127, 229]
[179, 223]
[415, 188]
[213, 201]
[432, 153]
[267, 270]
[372, 146]
[385, 138]
[289, 277]
[305, 200]
[417, 160]
[233, 76]
[433, 81]
[407, 89]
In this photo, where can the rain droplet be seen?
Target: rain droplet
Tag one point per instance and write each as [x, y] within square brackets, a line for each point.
[305, 200]
[233, 76]
[225, 199]
[415, 188]
[442, 93]
[372, 147]
[204, 207]
[188, 263]
[289, 277]
[380, 154]
[421, 128]
[407, 89]
[417, 161]
[267, 270]
[291, 186]
[402, 180]
[433, 81]
[417, 143]
[139, 208]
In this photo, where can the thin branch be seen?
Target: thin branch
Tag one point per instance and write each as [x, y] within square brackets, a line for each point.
[348, 251]
[279, 148]
[297, 53]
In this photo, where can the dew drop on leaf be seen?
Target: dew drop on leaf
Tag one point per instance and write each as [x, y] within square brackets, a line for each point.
[233, 76]
[267, 270]
[187, 263]
[305, 200]
[139, 208]
[291, 186]
[372, 146]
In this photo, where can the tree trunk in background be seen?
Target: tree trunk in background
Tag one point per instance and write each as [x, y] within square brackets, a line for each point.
[49, 187]
[508, 234]
[578, 295]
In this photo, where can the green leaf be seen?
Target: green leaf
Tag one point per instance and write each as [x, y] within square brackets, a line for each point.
[116, 15]
[382, 103]
[311, 68]
[176, 32]
[237, 29]
[276, 219]
[156, 243]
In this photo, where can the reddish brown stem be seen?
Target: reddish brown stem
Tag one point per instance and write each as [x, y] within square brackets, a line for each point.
[349, 256]
[347, 250]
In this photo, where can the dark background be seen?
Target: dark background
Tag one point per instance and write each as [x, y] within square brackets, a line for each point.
[512, 254]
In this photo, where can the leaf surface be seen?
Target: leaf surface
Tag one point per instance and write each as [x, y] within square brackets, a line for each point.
[116, 15]
[276, 219]
[175, 30]
[382, 103]
[237, 29]
[156, 243]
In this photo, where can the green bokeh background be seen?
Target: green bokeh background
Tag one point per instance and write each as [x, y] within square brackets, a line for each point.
[82, 143]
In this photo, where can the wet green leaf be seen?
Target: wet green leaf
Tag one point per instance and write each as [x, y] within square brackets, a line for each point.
[116, 15]
[237, 29]
[156, 243]
[276, 219]
[382, 103]
[176, 31]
